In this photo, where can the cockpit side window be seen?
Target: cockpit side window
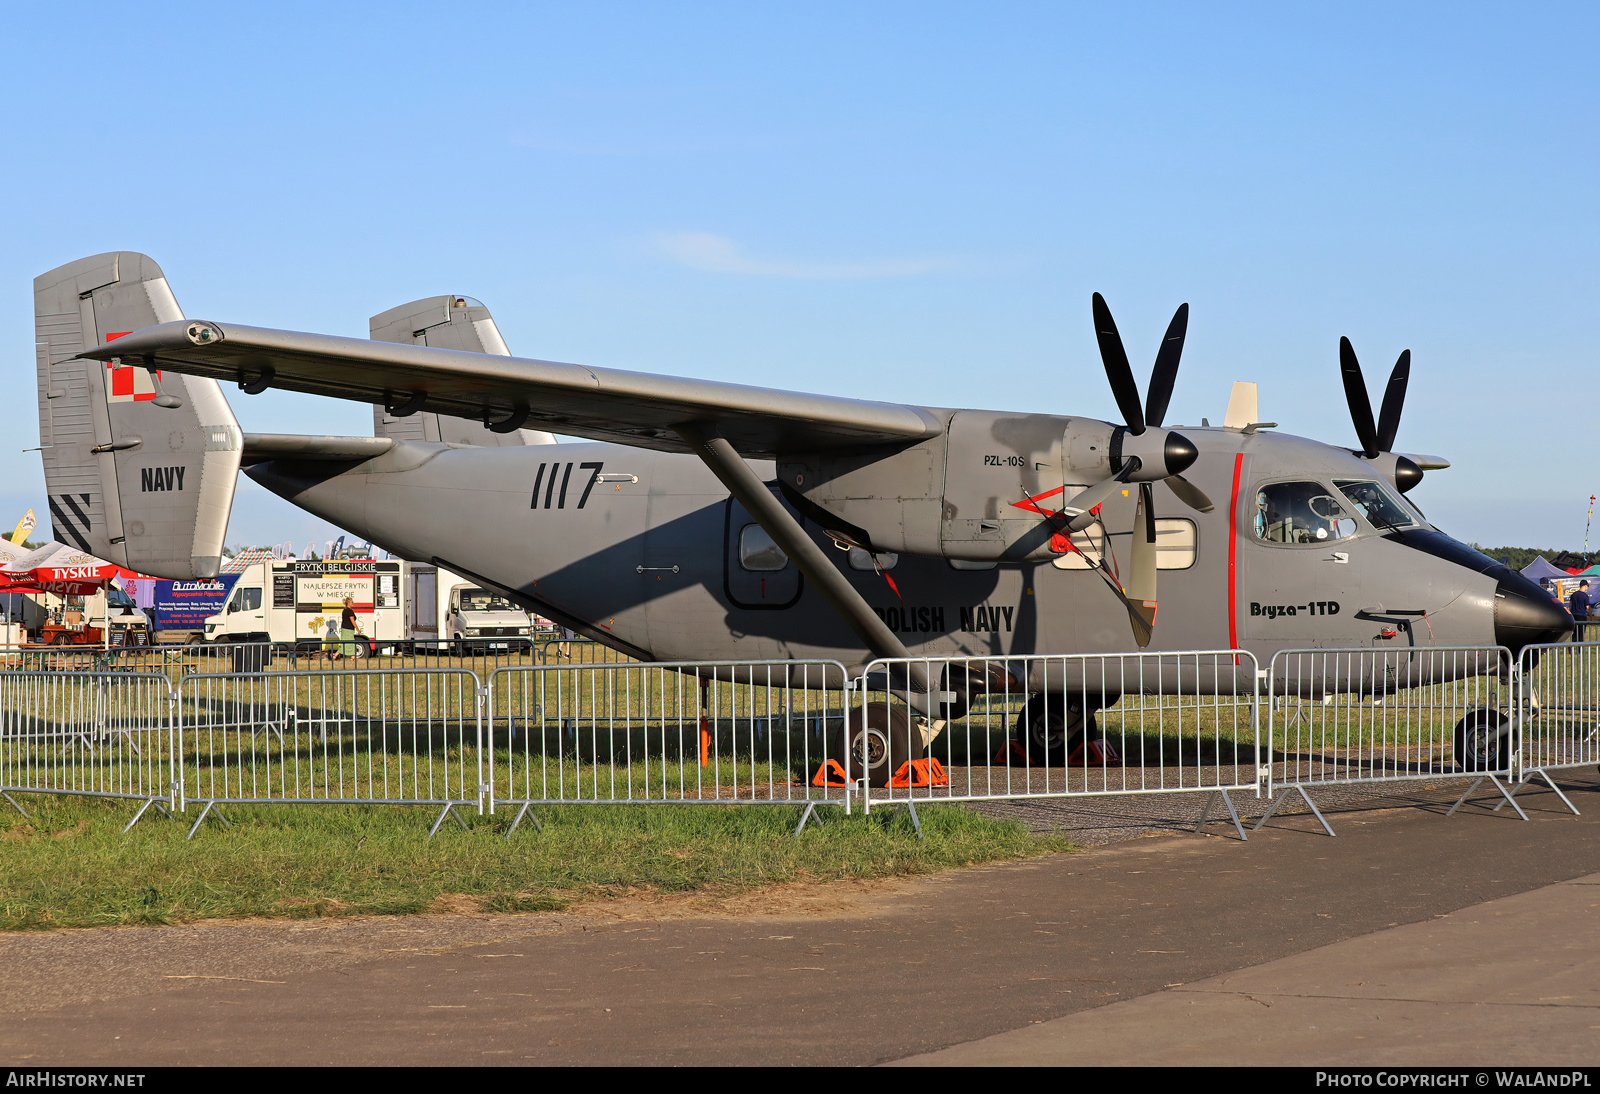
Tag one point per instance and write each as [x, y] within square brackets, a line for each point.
[1301, 513]
[1377, 503]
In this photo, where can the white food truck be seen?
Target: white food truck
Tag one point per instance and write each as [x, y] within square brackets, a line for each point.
[397, 604]
[292, 603]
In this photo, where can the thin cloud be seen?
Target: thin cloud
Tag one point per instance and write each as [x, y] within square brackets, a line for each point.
[717, 254]
[558, 146]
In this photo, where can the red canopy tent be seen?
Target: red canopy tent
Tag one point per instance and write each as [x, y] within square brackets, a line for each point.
[59, 569]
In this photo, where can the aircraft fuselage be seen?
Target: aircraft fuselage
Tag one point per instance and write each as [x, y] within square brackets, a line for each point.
[647, 552]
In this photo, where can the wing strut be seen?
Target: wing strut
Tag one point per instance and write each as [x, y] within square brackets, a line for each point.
[787, 533]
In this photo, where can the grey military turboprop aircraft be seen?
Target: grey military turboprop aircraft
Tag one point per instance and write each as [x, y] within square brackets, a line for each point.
[699, 519]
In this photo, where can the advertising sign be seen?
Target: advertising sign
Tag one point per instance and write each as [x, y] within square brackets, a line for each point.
[184, 605]
[319, 599]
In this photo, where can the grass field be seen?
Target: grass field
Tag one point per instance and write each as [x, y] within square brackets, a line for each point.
[69, 864]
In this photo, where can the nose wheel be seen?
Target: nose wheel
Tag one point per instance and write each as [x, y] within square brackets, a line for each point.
[1481, 740]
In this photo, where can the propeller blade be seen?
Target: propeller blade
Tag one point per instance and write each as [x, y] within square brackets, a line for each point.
[1118, 371]
[1082, 506]
[1165, 373]
[1142, 617]
[1355, 393]
[1394, 398]
[1141, 588]
[1138, 618]
[1190, 494]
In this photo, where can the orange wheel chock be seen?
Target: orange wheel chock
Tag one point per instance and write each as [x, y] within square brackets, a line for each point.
[829, 773]
[1100, 754]
[1011, 753]
[913, 773]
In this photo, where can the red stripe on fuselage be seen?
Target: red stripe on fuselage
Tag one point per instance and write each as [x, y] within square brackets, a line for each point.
[1233, 554]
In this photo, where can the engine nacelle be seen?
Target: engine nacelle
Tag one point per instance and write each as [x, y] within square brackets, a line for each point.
[963, 495]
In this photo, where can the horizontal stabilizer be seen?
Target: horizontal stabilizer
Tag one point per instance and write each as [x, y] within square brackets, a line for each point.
[260, 447]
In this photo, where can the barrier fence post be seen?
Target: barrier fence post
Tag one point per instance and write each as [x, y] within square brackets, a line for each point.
[174, 750]
[485, 790]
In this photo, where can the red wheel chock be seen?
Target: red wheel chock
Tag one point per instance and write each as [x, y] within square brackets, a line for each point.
[913, 773]
[829, 773]
[1100, 753]
[1010, 754]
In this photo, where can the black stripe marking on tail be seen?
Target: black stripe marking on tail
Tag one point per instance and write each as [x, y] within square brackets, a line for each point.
[75, 525]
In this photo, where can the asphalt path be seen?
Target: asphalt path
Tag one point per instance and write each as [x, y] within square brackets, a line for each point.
[1029, 962]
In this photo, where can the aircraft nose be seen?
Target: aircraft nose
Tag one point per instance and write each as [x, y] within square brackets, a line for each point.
[1524, 614]
[1178, 453]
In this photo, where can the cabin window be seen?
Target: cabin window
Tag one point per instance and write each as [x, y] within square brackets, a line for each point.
[1176, 538]
[245, 600]
[1175, 543]
[757, 551]
[1301, 513]
[866, 560]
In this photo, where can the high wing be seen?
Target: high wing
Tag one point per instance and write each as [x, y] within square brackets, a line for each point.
[507, 393]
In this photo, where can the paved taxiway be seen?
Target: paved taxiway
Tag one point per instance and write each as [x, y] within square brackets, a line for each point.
[1409, 938]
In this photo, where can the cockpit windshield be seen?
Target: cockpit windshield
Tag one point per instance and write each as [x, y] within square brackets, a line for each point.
[482, 600]
[1382, 507]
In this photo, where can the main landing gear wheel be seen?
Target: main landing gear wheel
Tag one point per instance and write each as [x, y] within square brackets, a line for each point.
[879, 742]
[1481, 740]
[1050, 726]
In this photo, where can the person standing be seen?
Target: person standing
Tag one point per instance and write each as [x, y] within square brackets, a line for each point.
[348, 628]
[1579, 603]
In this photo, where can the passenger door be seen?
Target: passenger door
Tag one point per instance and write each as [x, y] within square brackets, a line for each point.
[757, 575]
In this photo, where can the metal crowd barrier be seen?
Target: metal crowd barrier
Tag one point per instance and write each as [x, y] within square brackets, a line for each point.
[385, 730]
[1055, 726]
[1345, 716]
[580, 651]
[480, 655]
[1557, 722]
[87, 733]
[330, 737]
[702, 732]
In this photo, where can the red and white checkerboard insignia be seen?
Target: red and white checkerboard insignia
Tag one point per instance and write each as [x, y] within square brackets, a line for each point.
[127, 383]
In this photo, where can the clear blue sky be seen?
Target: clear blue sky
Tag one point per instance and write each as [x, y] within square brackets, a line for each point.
[897, 201]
